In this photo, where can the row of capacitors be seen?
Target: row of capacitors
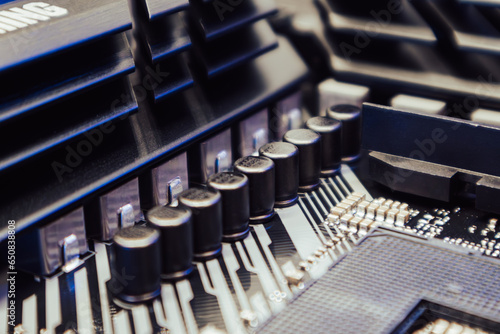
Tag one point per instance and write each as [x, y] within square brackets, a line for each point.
[204, 217]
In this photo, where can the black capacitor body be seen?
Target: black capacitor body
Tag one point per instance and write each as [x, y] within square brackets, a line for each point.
[309, 145]
[136, 256]
[206, 207]
[176, 239]
[286, 163]
[261, 179]
[235, 194]
[330, 131]
[350, 116]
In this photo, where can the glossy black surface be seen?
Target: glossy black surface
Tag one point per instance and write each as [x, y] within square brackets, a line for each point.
[205, 307]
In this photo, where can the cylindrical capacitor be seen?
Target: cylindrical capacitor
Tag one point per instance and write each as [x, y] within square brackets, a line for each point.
[235, 203]
[330, 131]
[136, 252]
[286, 164]
[309, 145]
[261, 179]
[176, 239]
[350, 116]
[206, 206]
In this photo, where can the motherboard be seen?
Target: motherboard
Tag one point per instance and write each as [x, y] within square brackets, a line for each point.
[250, 166]
[337, 261]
